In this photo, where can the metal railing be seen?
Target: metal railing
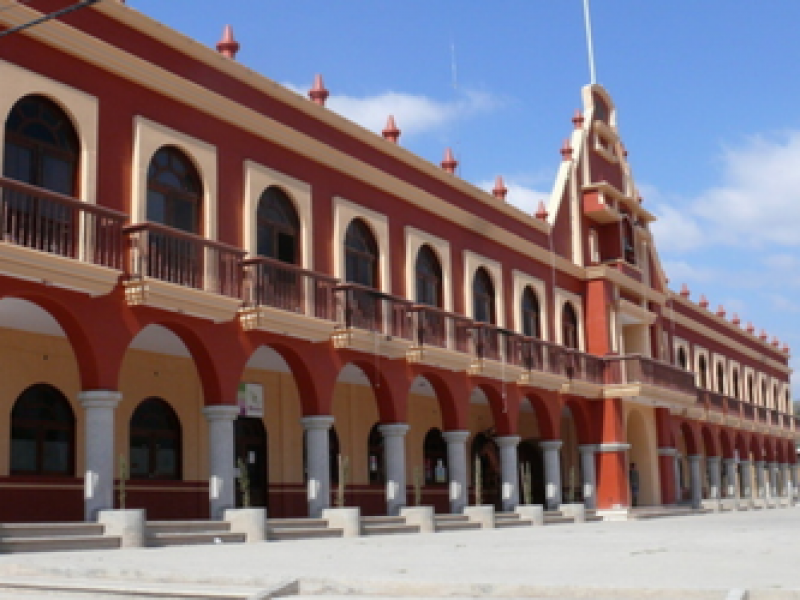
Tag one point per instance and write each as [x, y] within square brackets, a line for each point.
[635, 368]
[361, 307]
[171, 255]
[49, 222]
[433, 326]
[272, 283]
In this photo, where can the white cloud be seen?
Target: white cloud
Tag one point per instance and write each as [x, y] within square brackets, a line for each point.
[680, 272]
[523, 197]
[676, 231]
[414, 114]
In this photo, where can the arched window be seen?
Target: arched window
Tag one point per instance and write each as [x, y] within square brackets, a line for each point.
[569, 326]
[530, 314]
[428, 274]
[174, 191]
[764, 393]
[435, 457]
[601, 112]
[720, 378]
[42, 433]
[703, 368]
[751, 389]
[683, 361]
[361, 255]
[375, 464]
[155, 441]
[483, 297]
[628, 241]
[278, 227]
[735, 381]
[775, 398]
[41, 146]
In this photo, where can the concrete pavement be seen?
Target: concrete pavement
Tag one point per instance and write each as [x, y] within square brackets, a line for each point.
[732, 555]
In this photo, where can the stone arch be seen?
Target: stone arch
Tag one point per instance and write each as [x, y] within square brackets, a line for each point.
[710, 446]
[726, 443]
[499, 401]
[545, 414]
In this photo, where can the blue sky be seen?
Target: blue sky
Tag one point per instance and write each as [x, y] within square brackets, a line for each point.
[706, 95]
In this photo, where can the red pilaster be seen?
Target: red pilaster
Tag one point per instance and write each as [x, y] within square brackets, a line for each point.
[612, 475]
[598, 299]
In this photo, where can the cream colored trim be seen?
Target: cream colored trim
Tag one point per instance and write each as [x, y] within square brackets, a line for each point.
[751, 398]
[603, 271]
[698, 352]
[344, 211]
[677, 344]
[716, 336]
[472, 262]
[588, 102]
[639, 313]
[79, 106]
[561, 298]
[717, 359]
[522, 281]
[149, 137]
[415, 239]
[735, 367]
[257, 179]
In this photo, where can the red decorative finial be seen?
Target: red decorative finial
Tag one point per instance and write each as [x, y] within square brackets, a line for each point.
[786, 348]
[703, 301]
[750, 329]
[500, 190]
[449, 163]
[735, 320]
[721, 311]
[624, 150]
[541, 211]
[228, 46]
[566, 150]
[318, 93]
[685, 291]
[776, 342]
[763, 336]
[577, 119]
[391, 132]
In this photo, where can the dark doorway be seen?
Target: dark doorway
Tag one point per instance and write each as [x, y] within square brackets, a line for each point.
[251, 449]
[484, 450]
[530, 454]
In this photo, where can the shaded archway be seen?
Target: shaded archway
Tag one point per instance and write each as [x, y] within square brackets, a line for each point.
[641, 437]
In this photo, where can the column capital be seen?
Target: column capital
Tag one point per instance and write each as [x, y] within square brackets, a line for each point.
[667, 451]
[99, 398]
[613, 447]
[393, 429]
[551, 444]
[695, 458]
[507, 441]
[587, 448]
[317, 422]
[729, 461]
[221, 412]
[713, 459]
[744, 463]
[455, 437]
[760, 463]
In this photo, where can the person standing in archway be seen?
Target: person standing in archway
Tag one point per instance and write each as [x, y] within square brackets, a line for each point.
[633, 478]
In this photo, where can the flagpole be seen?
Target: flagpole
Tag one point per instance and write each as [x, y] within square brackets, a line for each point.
[588, 23]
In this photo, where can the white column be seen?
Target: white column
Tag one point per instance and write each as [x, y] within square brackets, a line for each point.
[747, 490]
[221, 457]
[678, 482]
[730, 477]
[773, 480]
[552, 473]
[761, 489]
[318, 465]
[509, 471]
[696, 482]
[795, 478]
[457, 469]
[589, 475]
[98, 407]
[714, 477]
[394, 458]
[786, 483]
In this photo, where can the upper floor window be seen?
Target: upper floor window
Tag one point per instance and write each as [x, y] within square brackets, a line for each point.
[775, 397]
[278, 227]
[41, 146]
[155, 441]
[530, 314]
[751, 389]
[361, 255]
[720, 378]
[628, 241]
[683, 361]
[735, 380]
[174, 191]
[764, 393]
[42, 433]
[569, 326]
[702, 367]
[601, 112]
[428, 273]
[483, 297]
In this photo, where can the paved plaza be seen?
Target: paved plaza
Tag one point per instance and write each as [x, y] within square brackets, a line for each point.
[753, 555]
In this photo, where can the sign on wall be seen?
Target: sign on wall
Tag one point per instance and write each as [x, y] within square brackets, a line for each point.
[251, 399]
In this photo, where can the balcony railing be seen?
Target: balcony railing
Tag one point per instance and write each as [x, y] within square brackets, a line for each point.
[716, 401]
[748, 411]
[42, 220]
[435, 327]
[762, 414]
[269, 282]
[174, 256]
[634, 368]
[365, 308]
[734, 407]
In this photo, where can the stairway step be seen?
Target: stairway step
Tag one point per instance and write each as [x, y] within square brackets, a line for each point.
[299, 523]
[49, 530]
[390, 529]
[503, 523]
[161, 540]
[557, 520]
[451, 519]
[383, 520]
[298, 533]
[62, 543]
[457, 526]
[187, 526]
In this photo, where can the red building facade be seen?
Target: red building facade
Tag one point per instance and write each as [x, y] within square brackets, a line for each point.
[199, 267]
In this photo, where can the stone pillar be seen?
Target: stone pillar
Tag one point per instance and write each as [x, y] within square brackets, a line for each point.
[221, 457]
[795, 479]
[589, 475]
[676, 465]
[394, 456]
[457, 469]
[773, 480]
[318, 465]
[100, 457]
[786, 482]
[747, 489]
[730, 477]
[761, 490]
[666, 475]
[714, 477]
[696, 482]
[509, 467]
[552, 473]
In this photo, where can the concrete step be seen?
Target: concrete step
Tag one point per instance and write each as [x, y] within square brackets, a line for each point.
[557, 519]
[388, 529]
[299, 523]
[302, 533]
[60, 543]
[450, 518]
[49, 530]
[506, 523]
[198, 526]
[163, 540]
[383, 520]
